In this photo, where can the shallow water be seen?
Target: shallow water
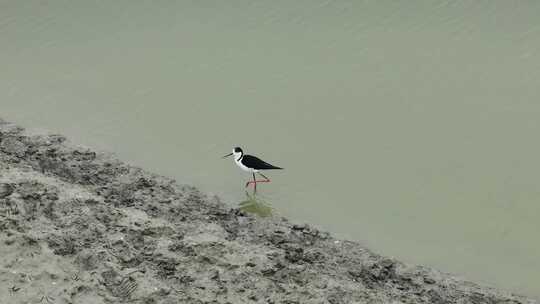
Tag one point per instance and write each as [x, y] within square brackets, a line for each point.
[410, 126]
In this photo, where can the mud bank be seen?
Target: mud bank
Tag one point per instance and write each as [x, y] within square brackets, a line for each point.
[77, 226]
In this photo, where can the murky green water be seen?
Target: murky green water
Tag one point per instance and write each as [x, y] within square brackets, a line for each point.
[410, 126]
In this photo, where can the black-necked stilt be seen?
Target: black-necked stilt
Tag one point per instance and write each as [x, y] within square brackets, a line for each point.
[251, 164]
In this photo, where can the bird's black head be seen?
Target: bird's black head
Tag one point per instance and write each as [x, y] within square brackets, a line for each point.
[237, 152]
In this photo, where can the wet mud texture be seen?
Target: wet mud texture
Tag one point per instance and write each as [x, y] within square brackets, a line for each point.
[78, 226]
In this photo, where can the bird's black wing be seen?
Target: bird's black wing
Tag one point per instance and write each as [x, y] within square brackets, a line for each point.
[256, 163]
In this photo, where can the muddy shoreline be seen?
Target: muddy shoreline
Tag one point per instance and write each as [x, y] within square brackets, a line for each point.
[79, 226]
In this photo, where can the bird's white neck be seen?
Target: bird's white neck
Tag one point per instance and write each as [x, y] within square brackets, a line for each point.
[238, 156]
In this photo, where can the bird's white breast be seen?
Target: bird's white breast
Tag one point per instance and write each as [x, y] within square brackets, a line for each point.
[239, 164]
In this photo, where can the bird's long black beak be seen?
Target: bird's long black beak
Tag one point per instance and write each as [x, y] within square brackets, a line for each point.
[227, 155]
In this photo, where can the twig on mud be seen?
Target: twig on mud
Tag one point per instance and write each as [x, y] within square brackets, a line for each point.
[177, 291]
[109, 249]
[132, 272]
[14, 289]
[49, 300]
[126, 287]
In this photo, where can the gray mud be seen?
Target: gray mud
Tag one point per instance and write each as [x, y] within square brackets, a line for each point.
[77, 226]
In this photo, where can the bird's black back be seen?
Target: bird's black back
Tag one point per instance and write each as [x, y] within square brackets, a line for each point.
[256, 163]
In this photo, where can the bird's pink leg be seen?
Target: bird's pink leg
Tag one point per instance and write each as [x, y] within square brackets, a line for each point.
[267, 180]
[254, 182]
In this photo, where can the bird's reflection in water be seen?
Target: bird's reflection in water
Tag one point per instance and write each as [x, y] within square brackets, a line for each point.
[256, 205]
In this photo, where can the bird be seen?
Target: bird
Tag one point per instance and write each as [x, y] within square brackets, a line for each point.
[251, 164]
